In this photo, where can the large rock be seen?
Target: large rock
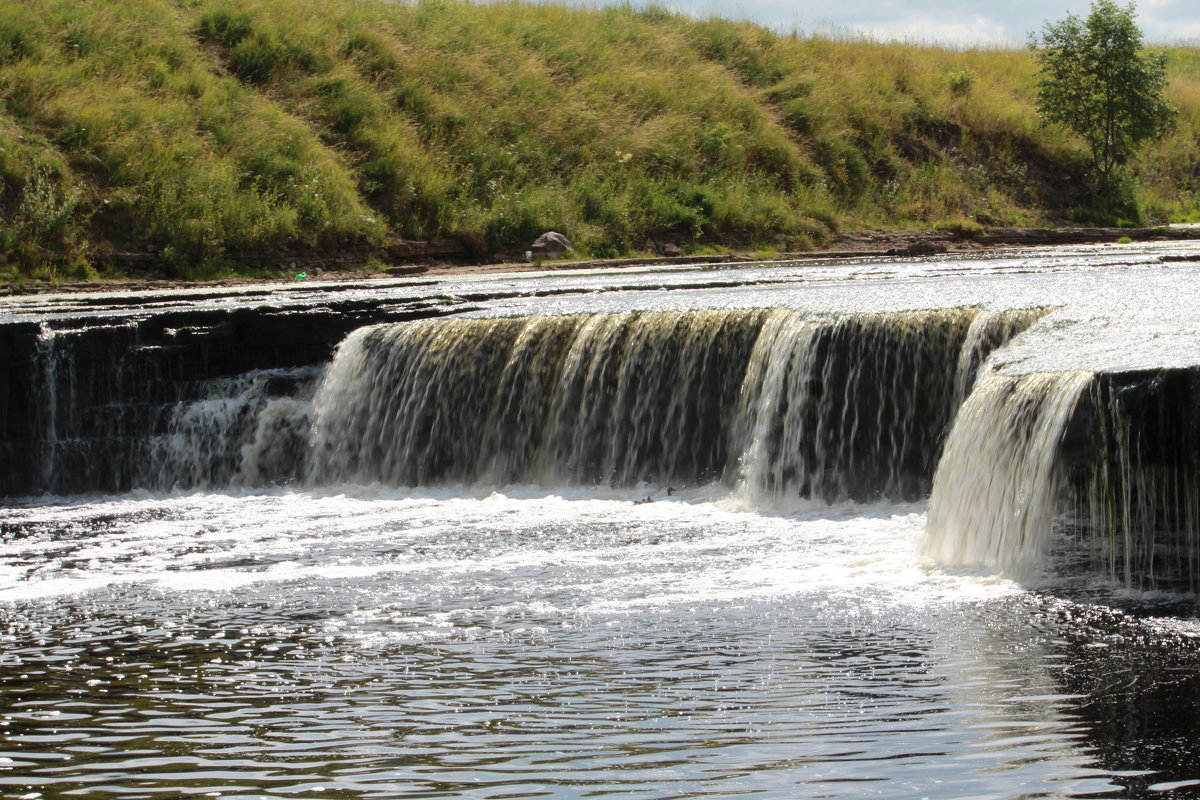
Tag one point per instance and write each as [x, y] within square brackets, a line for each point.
[550, 244]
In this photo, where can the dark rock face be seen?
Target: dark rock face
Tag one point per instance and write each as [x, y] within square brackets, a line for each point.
[925, 249]
[17, 403]
[1132, 457]
[920, 248]
[81, 396]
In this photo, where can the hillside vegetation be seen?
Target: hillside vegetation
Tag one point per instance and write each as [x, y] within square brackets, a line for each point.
[206, 130]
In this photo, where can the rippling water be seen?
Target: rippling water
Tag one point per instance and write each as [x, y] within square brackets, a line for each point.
[369, 643]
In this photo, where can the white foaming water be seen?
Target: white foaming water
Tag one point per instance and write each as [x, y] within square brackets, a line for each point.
[994, 492]
[280, 439]
[595, 554]
[236, 433]
[682, 644]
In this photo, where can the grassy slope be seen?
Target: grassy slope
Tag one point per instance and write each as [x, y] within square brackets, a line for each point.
[210, 129]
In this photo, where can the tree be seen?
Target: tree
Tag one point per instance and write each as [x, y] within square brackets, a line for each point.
[1097, 81]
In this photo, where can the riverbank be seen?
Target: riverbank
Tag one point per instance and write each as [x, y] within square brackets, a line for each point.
[179, 141]
[870, 244]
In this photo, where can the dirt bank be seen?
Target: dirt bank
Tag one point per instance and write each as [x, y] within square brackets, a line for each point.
[851, 245]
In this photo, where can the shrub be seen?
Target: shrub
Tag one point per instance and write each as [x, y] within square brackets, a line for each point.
[961, 82]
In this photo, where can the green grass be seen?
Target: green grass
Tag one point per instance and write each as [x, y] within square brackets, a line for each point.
[219, 131]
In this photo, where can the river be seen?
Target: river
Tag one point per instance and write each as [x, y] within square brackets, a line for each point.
[335, 581]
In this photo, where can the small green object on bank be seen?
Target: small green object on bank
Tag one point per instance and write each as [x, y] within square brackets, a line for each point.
[301, 276]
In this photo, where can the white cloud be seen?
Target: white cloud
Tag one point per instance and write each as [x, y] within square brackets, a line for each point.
[1169, 21]
[959, 22]
[981, 31]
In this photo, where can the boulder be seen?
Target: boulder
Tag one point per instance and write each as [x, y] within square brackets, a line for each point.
[550, 245]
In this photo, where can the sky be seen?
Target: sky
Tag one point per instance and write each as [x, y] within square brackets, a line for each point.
[961, 23]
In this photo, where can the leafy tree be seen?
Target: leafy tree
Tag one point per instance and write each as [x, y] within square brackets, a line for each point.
[1097, 81]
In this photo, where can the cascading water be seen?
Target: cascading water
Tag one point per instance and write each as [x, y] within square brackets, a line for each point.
[47, 360]
[995, 490]
[287, 568]
[1074, 473]
[782, 407]
[238, 431]
[1134, 494]
[614, 399]
[785, 405]
[854, 407]
[779, 378]
[81, 407]
[989, 332]
[781, 404]
[108, 419]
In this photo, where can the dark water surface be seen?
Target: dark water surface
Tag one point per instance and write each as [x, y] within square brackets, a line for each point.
[370, 643]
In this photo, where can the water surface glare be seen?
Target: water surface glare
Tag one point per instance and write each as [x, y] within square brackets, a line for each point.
[372, 643]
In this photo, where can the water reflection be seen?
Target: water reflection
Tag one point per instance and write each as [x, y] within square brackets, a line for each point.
[1136, 685]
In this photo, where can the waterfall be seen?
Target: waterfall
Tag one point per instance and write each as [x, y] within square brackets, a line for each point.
[1074, 473]
[855, 407]
[601, 399]
[649, 398]
[78, 408]
[107, 418]
[48, 358]
[1100, 473]
[778, 383]
[996, 487]
[237, 431]
[782, 404]
[989, 332]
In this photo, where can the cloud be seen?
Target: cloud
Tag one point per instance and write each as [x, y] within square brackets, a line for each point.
[1169, 21]
[961, 23]
[981, 31]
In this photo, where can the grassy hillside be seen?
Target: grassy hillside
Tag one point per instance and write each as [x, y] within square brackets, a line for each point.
[210, 130]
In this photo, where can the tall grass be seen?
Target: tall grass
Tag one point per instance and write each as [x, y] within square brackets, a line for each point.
[211, 129]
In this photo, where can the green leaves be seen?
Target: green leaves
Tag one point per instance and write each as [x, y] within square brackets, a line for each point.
[1096, 80]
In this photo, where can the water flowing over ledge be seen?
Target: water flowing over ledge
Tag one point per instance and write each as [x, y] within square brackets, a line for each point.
[1024, 465]
[994, 494]
[779, 404]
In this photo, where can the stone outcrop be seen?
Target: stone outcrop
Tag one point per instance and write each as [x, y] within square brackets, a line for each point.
[551, 244]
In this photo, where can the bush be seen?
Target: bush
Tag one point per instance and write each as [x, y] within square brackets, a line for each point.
[961, 82]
